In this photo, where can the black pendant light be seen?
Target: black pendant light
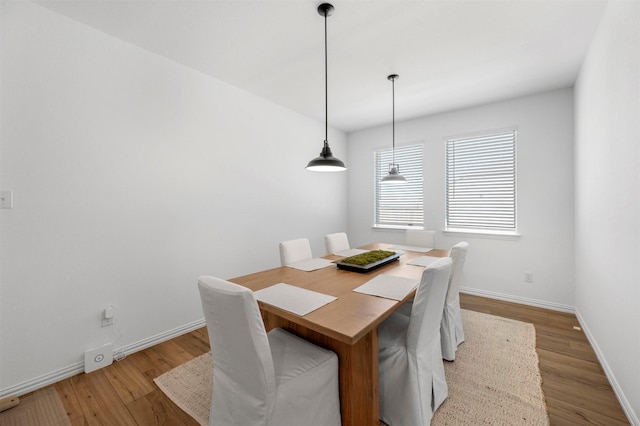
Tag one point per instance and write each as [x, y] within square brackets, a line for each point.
[394, 175]
[326, 162]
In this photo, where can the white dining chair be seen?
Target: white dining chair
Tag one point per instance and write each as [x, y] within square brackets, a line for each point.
[412, 383]
[337, 242]
[451, 330]
[293, 251]
[420, 238]
[262, 378]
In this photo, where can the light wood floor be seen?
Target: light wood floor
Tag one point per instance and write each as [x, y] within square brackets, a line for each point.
[576, 390]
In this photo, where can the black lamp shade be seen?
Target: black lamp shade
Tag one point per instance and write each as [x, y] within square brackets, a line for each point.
[326, 162]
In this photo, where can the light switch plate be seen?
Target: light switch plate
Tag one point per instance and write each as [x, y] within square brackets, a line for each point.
[6, 199]
[97, 358]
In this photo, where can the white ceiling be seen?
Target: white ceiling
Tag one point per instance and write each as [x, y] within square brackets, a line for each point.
[449, 54]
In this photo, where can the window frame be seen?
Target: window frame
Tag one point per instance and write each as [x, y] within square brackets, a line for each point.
[453, 227]
[415, 178]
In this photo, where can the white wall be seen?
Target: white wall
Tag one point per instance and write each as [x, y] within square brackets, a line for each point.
[133, 175]
[607, 200]
[495, 267]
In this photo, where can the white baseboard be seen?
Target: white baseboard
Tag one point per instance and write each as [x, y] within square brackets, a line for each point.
[44, 380]
[77, 368]
[624, 402]
[517, 299]
[159, 338]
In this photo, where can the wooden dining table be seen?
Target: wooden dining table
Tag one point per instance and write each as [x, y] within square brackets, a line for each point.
[348, 325]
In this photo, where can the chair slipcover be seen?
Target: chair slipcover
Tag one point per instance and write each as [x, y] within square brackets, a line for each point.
[420, 238]
[261, 378]
[293, 251]
[451, 331]
[411, 372]
[336, 243]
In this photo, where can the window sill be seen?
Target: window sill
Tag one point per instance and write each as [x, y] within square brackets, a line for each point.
[494, 235]
[395, 227]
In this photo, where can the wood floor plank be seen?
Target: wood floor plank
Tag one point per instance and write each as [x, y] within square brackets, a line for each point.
[569, 361]
[203, 334]
[193, 343]
[69, 401]
[579, 375]
[42, 407]
[565, 331]
[150, 363]
[48, 407]
[584, 347]
[562, 413]
[156, 409]
[172, 353]
[564, 346]
[99, 401]
[78, 422]
[128, 381]
[588, 398]
[23, 414]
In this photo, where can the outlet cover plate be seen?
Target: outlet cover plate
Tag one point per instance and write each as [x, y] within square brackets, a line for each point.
[6, 199]
[95, 359]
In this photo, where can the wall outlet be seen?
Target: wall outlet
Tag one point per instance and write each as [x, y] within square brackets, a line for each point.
[6, 199]
[528, 277]
[97, 358]
[107, 315]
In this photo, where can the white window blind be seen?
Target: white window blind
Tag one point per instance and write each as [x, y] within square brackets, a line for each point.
[481, 183]
[399, 204]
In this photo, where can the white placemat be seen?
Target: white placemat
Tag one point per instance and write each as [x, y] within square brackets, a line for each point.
[311, 264]
[294, 299]
[413, 248]
[388, 286]
[350, 252]
[423, 260]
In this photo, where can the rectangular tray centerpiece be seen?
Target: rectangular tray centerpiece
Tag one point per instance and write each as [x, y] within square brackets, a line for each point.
[368, 261]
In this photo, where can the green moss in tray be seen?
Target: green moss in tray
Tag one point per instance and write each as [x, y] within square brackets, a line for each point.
[368, 257]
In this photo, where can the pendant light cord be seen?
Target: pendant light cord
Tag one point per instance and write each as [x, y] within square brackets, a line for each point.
[326, 84]
[393, 120]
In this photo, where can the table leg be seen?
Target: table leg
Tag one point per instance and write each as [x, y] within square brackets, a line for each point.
[358, 364]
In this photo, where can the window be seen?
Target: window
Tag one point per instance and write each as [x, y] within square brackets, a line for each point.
[481, 183]
[399, 205]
